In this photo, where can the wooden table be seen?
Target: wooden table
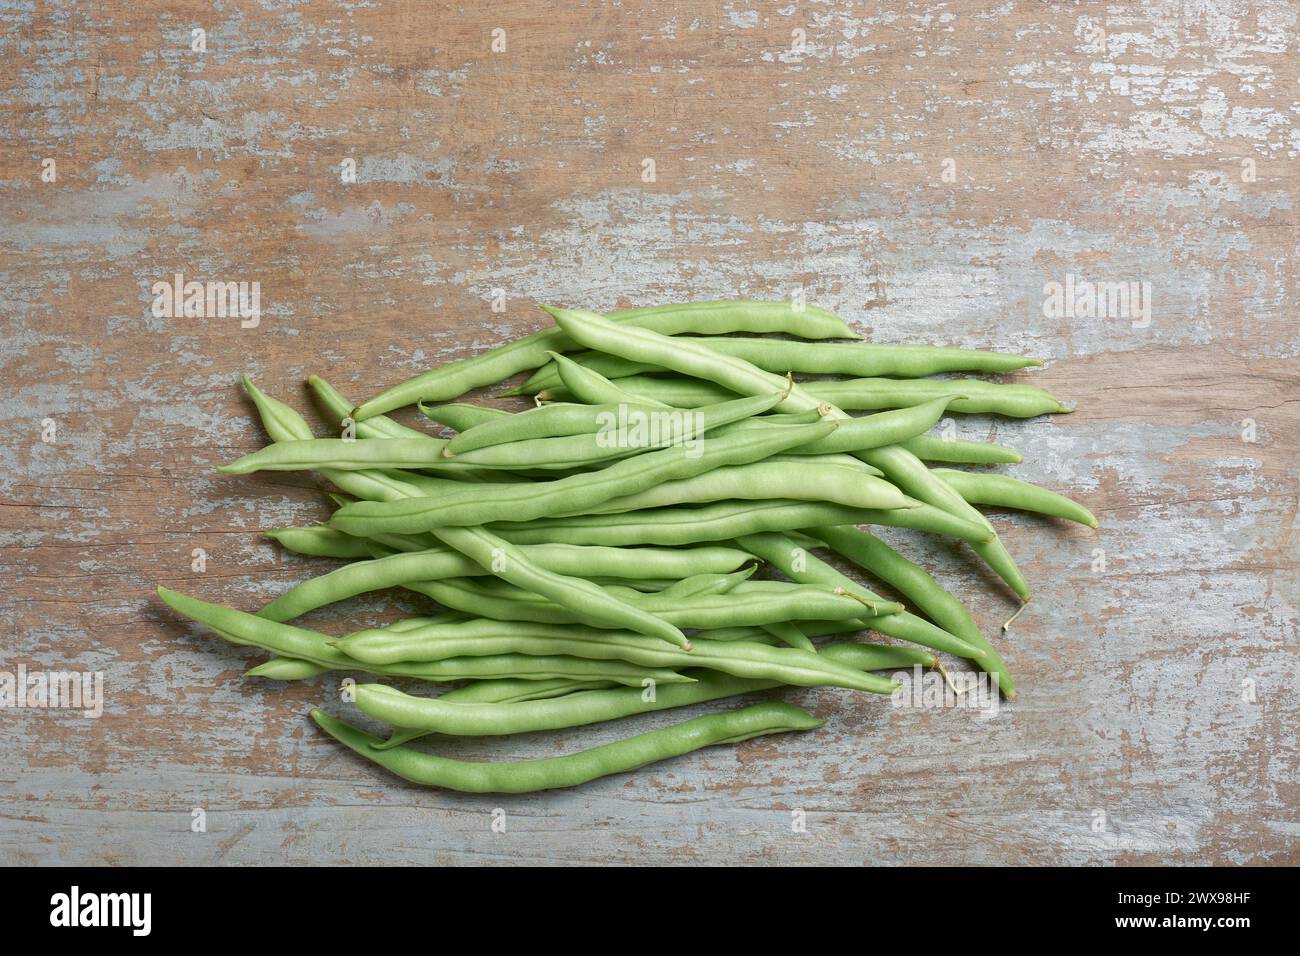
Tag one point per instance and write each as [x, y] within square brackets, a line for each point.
[925, 169]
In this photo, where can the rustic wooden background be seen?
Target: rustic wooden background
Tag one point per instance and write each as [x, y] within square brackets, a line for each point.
[1152, 141]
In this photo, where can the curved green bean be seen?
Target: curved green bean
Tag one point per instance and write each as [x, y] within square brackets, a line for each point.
[473, 638]
[302, 644]
[626, 431]
[1003, 491]
[589, 387]
[320, 541]
[571, 770]
[440, 715]
[764, 480]
[461, 416]
[287, 668]
[741, 606]
[812, 358]
[546, 421]
[726, 520]
[501, 362]
[856, 394]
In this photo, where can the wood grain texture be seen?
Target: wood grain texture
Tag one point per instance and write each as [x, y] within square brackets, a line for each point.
[1112, 158]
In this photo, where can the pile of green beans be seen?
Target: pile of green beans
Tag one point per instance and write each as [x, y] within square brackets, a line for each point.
[594, 553]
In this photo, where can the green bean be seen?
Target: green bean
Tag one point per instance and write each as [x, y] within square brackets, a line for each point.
[763, 480]
[507, 502]
[546, 421]
[935, 448]
[341, 453]
[856, 394]
[1004, 491]
[500, 363]
[775, 355]
[789, 634]
[449, 714]
[500, 691]
[590, 603]
[320, 541]
[287, 668]
[802, 566]
[339, 410]
[474, 638]
[621, 435]
[725, 520]
[589, 387]
[739, 607]
[674, 391]
[462, 417]
[526, 776]
[514, 690]
[843, 461]
[363, 576]
[911, 580]
[872, 431]
[609, 366]
[703, 583]
[296, 642]
[1015, 401]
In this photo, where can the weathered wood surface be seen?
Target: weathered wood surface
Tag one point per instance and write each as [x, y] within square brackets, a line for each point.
[1116, 156]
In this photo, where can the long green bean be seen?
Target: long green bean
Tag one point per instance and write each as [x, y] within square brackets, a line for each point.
[500, 363]
[572, 769]
[507, 502]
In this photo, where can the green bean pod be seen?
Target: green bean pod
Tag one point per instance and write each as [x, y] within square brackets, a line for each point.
[461, 417]
[676, 391]
[588, 387]
[763, 480]
[788, 633]
[473, 638]
[913, 582]
[421, 715]
[1014, 401]
[302, 644]
[527, 776]
[509, 502]
[500, 363]
[812, 358]
[284, 424]
[341, 453]
[1003, 491]
[547, 421]
[935, 448]
[339, 410]
[287, 668]
[625, 431]
[320, 541]
[739, 607]
[726, 520]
